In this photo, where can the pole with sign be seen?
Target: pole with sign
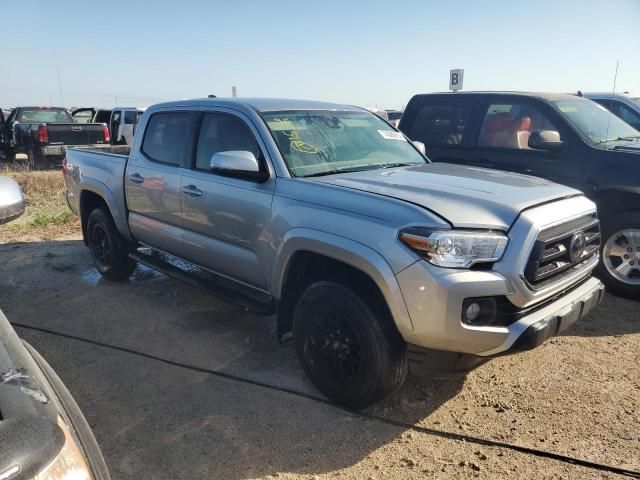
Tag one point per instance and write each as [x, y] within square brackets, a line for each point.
[455, 79]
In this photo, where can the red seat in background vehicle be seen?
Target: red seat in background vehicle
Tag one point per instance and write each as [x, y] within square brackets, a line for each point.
[495, 130]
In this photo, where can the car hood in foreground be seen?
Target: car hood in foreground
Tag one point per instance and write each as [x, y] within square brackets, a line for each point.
[467, 197]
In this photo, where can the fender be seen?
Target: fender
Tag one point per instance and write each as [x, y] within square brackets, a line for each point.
[617, 199]
[349, 252]
[103, 191]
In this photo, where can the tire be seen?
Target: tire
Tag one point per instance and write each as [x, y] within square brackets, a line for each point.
[110, 252]
[354, 356]
[36, 161]
[620, 265]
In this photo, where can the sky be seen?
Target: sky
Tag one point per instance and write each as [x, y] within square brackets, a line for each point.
[370, 53]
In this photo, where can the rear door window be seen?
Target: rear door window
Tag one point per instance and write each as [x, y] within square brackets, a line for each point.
[166, 137]
[440, 121]
[509, 125]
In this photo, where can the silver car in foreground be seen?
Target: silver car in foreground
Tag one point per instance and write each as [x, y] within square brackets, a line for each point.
[370, 255]
[43, 433]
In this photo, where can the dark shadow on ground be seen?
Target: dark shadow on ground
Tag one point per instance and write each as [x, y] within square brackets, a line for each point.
[614, 316]
[155, 420]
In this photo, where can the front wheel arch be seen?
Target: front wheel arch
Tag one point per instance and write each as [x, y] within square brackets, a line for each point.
[306, 267]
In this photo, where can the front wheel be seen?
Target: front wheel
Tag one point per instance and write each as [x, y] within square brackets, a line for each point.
[354, 356]
[620, 268]
[110, 252]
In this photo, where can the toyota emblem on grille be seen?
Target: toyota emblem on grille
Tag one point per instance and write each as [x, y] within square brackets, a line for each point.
[576, 249]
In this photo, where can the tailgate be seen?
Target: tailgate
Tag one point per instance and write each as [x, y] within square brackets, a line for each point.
[76, 133]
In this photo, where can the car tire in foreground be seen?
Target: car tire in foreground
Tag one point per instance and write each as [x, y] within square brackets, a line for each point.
[620, 266]
[354, 356]
[110, 252]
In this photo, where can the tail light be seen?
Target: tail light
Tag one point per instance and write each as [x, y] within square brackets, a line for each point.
[43, 134]
[105, 132]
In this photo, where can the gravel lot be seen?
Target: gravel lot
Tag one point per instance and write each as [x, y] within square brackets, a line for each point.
[153, 364]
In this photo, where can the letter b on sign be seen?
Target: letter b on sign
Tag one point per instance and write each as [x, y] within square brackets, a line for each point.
[455, 79]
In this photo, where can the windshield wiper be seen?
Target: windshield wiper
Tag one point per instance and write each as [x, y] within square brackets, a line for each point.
[361, 168]
[397, 164]
[620, 139]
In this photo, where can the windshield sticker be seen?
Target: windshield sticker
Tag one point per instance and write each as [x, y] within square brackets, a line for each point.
[303, 147]
[391, 135]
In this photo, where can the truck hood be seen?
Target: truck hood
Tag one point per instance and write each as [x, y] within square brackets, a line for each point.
[467, 197]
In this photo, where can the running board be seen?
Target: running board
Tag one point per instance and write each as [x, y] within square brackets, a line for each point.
[221, 287]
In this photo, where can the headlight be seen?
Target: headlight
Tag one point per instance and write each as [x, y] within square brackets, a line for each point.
[455, 248]
[69, 464]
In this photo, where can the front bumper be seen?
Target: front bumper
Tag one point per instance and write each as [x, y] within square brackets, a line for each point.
[434, 298]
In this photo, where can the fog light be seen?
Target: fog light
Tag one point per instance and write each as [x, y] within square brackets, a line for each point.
[479, 311]
[472, 312]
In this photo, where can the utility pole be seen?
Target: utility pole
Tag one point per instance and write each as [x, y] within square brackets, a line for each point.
[60, 87]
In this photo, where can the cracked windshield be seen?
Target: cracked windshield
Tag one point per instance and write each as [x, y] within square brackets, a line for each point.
[315, 143]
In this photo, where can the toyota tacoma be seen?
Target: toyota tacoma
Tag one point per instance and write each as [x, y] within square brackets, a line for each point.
[329, 217]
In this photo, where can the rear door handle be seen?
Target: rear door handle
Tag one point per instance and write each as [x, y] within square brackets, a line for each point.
[192, 191]
[136, 178]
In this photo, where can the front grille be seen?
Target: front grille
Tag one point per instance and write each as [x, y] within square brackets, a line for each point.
[563, 249]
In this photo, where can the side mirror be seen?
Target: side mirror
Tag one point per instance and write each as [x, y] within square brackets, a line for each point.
[548, 140]
[11, 200]
[420, 146]
[237, 163]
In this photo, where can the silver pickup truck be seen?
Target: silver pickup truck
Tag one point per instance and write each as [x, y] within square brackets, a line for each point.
[371, 256]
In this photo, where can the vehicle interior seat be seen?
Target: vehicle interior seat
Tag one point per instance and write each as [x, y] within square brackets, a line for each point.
[456, 138]
[496, 131]
[523, 131]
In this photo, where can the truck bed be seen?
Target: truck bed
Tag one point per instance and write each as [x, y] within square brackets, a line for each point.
[118, 150]
[101, 167]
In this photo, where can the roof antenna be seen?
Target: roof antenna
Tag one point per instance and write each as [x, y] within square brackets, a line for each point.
[615, 79]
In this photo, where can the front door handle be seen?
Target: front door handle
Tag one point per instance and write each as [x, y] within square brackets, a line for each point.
[136, 178]
[192, 191]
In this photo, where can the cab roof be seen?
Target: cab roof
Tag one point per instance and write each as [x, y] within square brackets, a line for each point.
[262, 104]
[541, 95]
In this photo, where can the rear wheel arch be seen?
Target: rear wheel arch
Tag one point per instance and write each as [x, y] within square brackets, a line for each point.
[89, 201]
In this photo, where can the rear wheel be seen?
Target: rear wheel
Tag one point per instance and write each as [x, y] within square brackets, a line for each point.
[110, 252]
[620, 268]
[352, 355]
[36, 161]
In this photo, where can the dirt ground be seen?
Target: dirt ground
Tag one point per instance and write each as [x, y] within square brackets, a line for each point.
[171, 380]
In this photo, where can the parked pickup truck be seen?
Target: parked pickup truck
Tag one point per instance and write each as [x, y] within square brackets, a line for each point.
[43, 132]
[370, 255]
[43, 434]
[122, 121]
[562, 138]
